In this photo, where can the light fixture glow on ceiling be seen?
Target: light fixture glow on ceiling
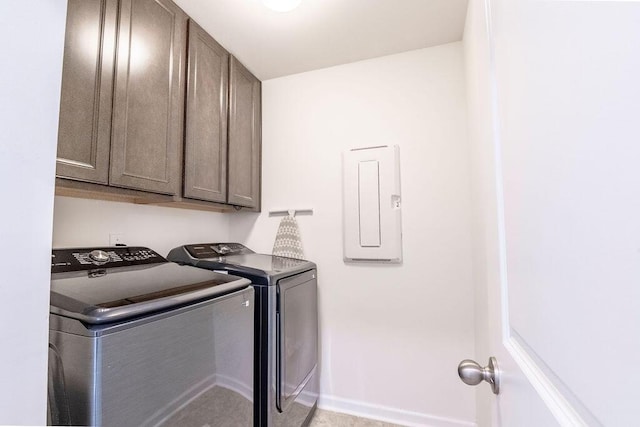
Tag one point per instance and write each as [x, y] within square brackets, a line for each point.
[282, 5]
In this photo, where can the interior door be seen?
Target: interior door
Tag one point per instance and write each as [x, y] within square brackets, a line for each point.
[552, 90]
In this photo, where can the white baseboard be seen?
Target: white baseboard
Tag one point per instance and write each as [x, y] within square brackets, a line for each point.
[387, 414]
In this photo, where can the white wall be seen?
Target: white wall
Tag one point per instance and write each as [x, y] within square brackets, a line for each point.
[29, 100]
[85, 222]
[391, 335]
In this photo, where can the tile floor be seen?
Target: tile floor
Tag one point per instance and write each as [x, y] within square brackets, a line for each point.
[324, 418]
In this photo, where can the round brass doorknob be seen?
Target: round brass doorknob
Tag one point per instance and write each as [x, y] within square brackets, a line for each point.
[471, 373]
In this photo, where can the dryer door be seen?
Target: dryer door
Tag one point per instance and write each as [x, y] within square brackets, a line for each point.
[297, 336]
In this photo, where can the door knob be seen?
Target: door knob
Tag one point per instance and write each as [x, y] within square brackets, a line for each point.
[471, 373]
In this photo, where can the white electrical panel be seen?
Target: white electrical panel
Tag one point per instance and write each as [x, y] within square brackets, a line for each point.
[372, 220]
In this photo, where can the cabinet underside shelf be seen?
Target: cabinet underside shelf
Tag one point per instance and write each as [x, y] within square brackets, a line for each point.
[85, 190]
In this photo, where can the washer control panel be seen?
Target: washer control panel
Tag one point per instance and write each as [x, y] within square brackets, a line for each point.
[78, 259]
[216, 250]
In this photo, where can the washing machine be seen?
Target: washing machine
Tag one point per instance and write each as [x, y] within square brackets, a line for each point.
[286, 327]
[135, 340]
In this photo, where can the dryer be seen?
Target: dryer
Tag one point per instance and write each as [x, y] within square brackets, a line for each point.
[286, 327]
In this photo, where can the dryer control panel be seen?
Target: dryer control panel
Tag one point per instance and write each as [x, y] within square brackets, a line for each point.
[78, 259]
[215, 250]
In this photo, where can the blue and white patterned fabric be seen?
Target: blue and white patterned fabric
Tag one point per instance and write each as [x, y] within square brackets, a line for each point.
[288, 242]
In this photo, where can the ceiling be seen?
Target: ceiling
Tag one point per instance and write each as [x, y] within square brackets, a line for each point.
[323, 33]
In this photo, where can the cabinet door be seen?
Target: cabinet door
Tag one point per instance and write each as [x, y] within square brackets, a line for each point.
[146, 145]
[244, 137]
[84, 129]
[205, 174]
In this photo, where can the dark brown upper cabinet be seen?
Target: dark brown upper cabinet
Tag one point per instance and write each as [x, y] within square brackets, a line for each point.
[144, 120]
[148, 104]
[244, 137]
[205, 151]
[84, 130]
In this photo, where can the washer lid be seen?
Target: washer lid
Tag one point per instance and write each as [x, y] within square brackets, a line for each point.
[112, 294]
[268, 265]
[239, 260]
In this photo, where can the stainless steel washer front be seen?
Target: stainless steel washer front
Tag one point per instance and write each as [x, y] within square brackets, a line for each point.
[187, 362]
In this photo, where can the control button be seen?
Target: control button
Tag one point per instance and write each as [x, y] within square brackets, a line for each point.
[223, 249]
[99, 257]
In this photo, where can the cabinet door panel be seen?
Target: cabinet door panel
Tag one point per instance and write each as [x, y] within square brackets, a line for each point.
[84, 130]
[148, 97]
[244, 137]
[205, 175]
